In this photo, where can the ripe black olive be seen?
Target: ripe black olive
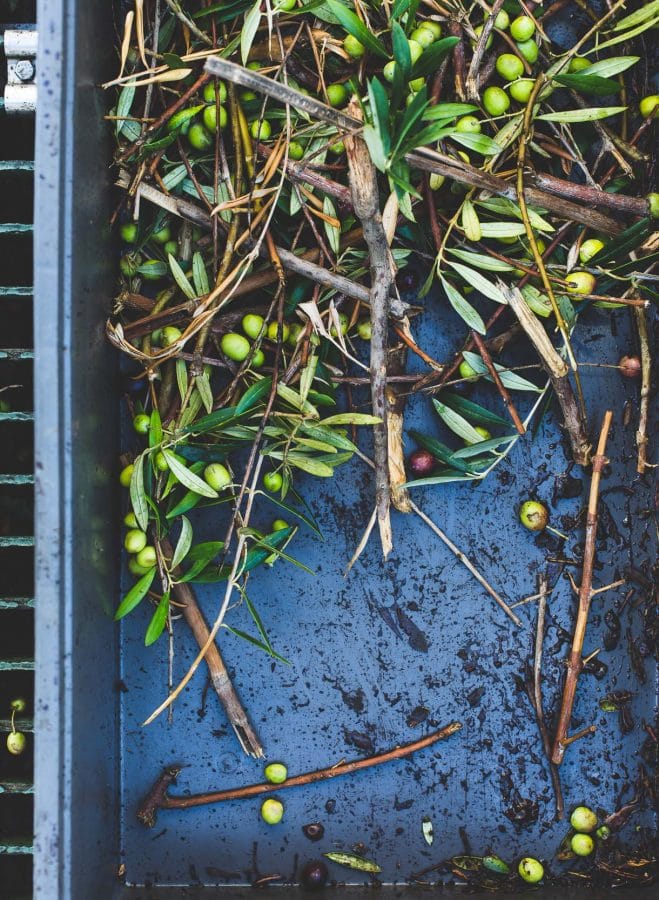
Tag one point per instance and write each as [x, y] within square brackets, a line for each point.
[421, 463]
[314, 831]
[314, 875]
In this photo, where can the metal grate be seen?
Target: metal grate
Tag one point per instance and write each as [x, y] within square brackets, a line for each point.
[16, 479]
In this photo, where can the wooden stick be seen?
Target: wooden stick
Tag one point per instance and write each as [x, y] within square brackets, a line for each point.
[646, 375]
[575, 662]
[365, 200]
[496, 378]
[157, 798]
[220, 680]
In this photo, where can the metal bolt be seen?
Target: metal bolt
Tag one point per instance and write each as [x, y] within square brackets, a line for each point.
[24, 70]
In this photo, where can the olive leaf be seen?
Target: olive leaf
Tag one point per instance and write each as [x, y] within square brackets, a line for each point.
[182, 378]
[350, 419]
[479, 143]
[592, 114]
[647, 11]
[124, 104]
[447, 111]
[176, 175]
[183, 544]
[352, 861]
[138, 493]
[181, 278]
[478, 281]
[354, 26]
[249, 29]
[199, 275]
[188, 478]
[457, 423]
[333, 233]
[155, 429]
[470, 223]
[481, 261]
[502, 229]
[474, 411]
[589, 84]
[158, 621]
[463, 308]
[203, 386]
[510, 379]
[136, 594]
[607, 68]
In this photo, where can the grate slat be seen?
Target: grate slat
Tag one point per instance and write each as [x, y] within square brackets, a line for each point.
[18, 290]
[16, 165]
[16, 603]
[16, 416]
[15, 355]
[16, 847]
[17, 665]
[16, 540]
[16, 479]
[16, 227]
[22, 788]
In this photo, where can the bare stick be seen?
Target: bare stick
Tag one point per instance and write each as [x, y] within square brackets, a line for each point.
[472, 81]
[395, 410]
[220, 680]
[575, 662]
[157, 798]
[646, 366]
[365, 200]
[496, 378]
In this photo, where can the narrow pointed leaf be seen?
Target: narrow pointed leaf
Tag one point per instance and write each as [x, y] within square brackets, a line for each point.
[158, 621]
[136, 594]
[183, 544]
[188, 478]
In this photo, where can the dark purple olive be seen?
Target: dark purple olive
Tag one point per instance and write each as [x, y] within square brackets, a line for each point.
[630, 366]
[421, 463]
[314, 831]
[407, 280]
[314, 875]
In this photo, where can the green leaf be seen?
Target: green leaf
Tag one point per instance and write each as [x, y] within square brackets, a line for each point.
[432, 57]
[646, 12]
[182, 378]
[479, 143]
[203, 385]
[464, 309]
[481, 261]
[138, 493]
[478, 281]
[291, 509]
[354, 26]
[589, 84]
[457, 423]
[180, 278]
[183, 544]
[351, 419]
[249, 29]
[199, 275]
[412, 115]
[510, 379]
[373, 141]
[447, 478]
[136, 594]
[537, 301]
[212, 421]
[352, 861]
[583, 115]
[308, 375]
[440, 451]
[288, 395]
[188, 478]
[472, 410]
[206, 551]
[502, 229]
[158, 621]
[253, 394]
[152, 267]
[470, 222]
[310, 465]
[175, 176]
[484, 446]
[124, 104]
[380, 113]
[340, 441]
[503, 206]
[606, 68]
[333, 233]
[252, 640]
[448, 111]
[155, 428]
[401, 50]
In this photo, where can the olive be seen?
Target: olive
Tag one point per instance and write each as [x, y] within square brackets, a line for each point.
[171, 248]
[170, 335]
[280, 525]
[530, 870]
[416, 50]
[583, 819]
[423, 36]
[649, 106]
[163, 235]
[353, 47]
[135, 540]
[365, 329]
[146, 557]
[285, 5]
[578, 64]
[520, 89]
[509, 66]
[421, 463]
[436, 181]
[581, 282]
[467, 371]
[211, 120]
[468, 125]
[336, 148]
[199, 137]
[129, 232]
[252, 325]
[248, 96]
[590, 248]
[16, 742]
[653, 205]
[273, 329]
[435, 27]
[484, 435]
[295, 150]
[261, 130]
[136, 569]
[235, 346]
[212, 89]
[388, 70]
[582, 844]
[314, 831]
[160, 462]
[129, 264]
[258, 360]
[276, 773]
[18, 705]
[522, 28]
[495, 100]
[415, 86]
[502, 20]
[272, 811]
[295, 332]
[534, 515]
[272, 482]
[603, 832]
[141, 423]
[344, 324]
[314, 875]
[337, 94]
[126, 474]
[529, 50]
[490, 38]
[129, 520]
[156, 336]
[217, 476]
[630, 366]
[182, 118]
[4, 406]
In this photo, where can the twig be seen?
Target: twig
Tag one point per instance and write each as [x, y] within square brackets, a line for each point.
[472, 81]
[222, 684]
[646, 366]
[496, 378]
[575, 662]
[157, 798]
[365, 200]
[395, 408]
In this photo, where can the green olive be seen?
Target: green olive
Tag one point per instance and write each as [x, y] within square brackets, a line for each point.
[135, 540]
[336, 148]
[436, 181]
[388, 70]
[258, 360]
[129, 232]
[171, 248]
[16, 742]
[649, 106]
[217, 476]
[260, 130]
[534, 515]
[344, 323]
[295, 332]
[590, 248]
[141, 423]
[365, 329]
[495, 100]
[212, 89]
[18, 705]
[578, 64]
[468, 125]
[529, 50]
[146, 557]
[235, 346]
[136, 569]
[160, 462]
[581, 283]
[416, 85]
[285, 5]
[130, 521]
[530, 870]
[435, 27]
[353, 47]
[273, 331]
[170, 335]
[509, 66]
[276, 773]
[485, 435]
[211, 120]
[126, 474]
[520, 89]
[468, 372]
[199, 137]
[653, 205]
[415, 50]
[478, 30]
[272, 811]
[337, 94]
[582, 844]
[272, 482]
[423, 36]
[162, 236]
[522, 28]
[603, 832]
[502, 20]
[254, 65]
[252, 325]
[583, 820]
[248, 96]
[295, 150]
[129, 264]
[279, 525]
[156, 336]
